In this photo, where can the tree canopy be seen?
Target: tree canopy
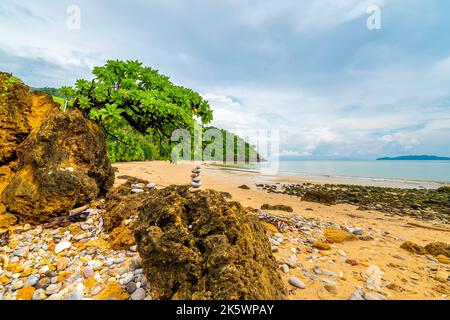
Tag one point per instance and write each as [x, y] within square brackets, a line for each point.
[130, 100]
[138, 109]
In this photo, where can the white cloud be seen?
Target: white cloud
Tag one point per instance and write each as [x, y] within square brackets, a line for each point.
[305, 16]
[220, 100]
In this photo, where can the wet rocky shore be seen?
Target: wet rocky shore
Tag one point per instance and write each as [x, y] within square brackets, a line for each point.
[423, 204]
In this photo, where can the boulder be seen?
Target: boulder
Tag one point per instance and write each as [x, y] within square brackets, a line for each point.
[438, 248]
[201, 246]
[51, 161]
[335, 235]
[413, 247]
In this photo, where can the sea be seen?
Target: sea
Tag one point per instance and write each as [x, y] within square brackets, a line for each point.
[430, 174]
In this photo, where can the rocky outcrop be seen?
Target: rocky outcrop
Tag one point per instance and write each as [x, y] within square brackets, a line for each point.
[51, 161]
[121, 211]
[200, 246]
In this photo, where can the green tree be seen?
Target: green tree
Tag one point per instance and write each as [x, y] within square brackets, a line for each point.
[137, 107]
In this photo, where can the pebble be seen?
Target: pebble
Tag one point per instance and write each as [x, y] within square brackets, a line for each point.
[352, 262]
[50, 273]
[328, 282]
[43, 283]
[374, 296]
[52, 289]
[128, 278]
[76, 295]
[39, 294]
[331, 288]
[297, 283]
[139, 294]
[285, 268]
[137, 190]
[131, 287]
[85, 227]
[342, 253]
[317, 270]
[195, 184]
[275, 242]
[32, 280]
[55, 296]
[374, 276]
[441, 276]
[16, 284]
[63, 245]
[88, 272]
[151, 186]
[356, 296]
[358, 232]
[137, 262]
[274, 249]
[292, 261]
[118, 260]
[20, 252]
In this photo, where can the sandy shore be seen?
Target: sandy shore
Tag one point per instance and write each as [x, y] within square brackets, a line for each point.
[414, 274]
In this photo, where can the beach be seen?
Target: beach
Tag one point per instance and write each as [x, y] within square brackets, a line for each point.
[409, 275]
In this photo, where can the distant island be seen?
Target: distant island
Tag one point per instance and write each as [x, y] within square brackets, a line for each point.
[423, 157]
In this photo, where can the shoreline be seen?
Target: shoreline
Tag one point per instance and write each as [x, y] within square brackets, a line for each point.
[294, 178]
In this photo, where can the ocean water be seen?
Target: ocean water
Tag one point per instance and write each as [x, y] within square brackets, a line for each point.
[431, 171]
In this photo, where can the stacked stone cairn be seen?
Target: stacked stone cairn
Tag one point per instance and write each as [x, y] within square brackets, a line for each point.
[196, 181]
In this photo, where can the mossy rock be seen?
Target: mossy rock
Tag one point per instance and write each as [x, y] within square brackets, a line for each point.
[319, 196]
[335, 235]
[438, 248]
[277, 207]
[201, 246]
[62, 165]
[413, 247]
[50, 161]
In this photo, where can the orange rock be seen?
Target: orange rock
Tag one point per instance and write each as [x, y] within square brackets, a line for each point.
[322, 245]
[443, 259]
[89, 283]
[62, 264]
[62, 276]
[112, 290]
[335, 235]
[352, 262]
[4, 280]
[42, 174]
[26, 293]
[121, 238]
[413, 247]
[269, 227]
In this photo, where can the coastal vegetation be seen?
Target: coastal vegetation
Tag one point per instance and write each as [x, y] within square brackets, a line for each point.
[422, 157]
[138, 109]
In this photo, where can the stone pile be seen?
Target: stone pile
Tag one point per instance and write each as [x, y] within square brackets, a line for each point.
[196, 181]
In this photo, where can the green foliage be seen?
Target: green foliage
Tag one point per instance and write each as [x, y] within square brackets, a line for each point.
[137, 107]
[250, 155]
[8, 82]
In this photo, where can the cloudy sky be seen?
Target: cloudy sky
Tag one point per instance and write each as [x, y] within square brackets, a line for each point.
[310, 69]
